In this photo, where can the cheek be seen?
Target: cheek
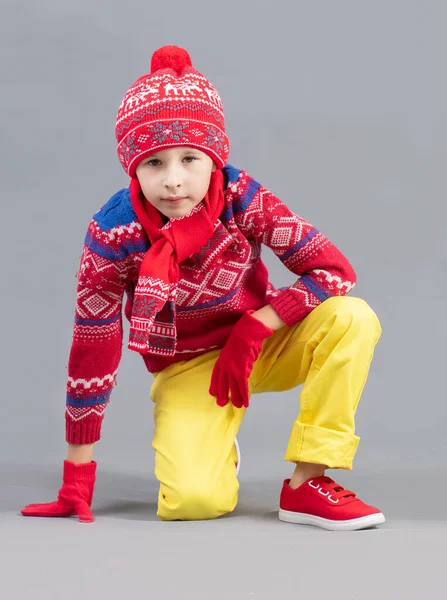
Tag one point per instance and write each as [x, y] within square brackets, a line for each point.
[205, 183]
[148, 186]
[201, 191]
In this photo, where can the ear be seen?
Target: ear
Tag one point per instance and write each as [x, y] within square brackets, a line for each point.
[214, 167]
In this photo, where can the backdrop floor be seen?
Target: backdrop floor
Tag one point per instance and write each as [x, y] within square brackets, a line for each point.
[128, 552]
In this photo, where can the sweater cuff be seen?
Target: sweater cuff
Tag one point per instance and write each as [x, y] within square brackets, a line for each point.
[87, 432]
[289, 309]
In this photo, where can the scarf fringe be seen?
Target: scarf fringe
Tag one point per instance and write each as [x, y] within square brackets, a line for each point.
[152, 325]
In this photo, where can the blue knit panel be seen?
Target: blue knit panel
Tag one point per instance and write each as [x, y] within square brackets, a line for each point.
[116, 211]
[94, 399]
[231, 175]
[210, 303]
[97, 322]
[316, 288]
[312, 233]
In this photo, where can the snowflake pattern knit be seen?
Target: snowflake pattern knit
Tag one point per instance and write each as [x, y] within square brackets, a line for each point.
[217, 286]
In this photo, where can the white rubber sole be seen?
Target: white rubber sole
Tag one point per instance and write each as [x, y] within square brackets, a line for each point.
[238, 456]
[351, 525]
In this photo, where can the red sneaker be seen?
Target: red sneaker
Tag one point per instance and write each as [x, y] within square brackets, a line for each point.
[322, 502]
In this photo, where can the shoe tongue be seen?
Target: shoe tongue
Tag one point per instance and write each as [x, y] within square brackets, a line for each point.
[337, 488]
[329, 481]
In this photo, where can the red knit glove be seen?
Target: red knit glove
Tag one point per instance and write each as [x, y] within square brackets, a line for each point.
[236, 360]
[75, 495]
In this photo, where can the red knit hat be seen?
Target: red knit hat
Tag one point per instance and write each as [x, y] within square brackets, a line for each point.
[172, 106]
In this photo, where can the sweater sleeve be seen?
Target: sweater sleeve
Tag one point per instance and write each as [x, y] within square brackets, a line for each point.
[97, 336]
[322, 270]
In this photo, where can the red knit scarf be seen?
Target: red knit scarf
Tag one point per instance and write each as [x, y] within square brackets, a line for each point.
[152, 324]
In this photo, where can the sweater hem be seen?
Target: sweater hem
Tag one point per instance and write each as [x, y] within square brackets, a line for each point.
[87, 432]
[288, 309]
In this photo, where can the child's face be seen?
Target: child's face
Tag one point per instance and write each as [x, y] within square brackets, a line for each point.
[176, 179]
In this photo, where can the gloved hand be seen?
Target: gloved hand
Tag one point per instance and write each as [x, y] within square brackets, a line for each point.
[75, 495]
[236, 360]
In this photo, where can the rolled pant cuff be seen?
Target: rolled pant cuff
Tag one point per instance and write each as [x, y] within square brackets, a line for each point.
[313, 444]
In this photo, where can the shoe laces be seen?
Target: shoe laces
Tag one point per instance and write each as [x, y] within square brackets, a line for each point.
[334, 489]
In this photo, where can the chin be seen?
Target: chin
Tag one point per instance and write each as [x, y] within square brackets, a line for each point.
[173, 214]
[177, 211]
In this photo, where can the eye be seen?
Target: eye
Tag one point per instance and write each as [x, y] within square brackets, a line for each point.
[154, 162]
[190, 159]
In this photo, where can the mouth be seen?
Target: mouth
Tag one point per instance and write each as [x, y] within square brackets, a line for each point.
[174, 200]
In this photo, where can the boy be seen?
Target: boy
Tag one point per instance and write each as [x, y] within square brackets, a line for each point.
[183, 242]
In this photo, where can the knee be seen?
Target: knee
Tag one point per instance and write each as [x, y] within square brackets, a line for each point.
[357, 313]
[195, 502]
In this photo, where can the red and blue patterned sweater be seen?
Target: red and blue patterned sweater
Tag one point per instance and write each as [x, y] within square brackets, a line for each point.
[215, 287]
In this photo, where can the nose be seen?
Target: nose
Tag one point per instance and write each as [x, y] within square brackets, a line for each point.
[172, 179]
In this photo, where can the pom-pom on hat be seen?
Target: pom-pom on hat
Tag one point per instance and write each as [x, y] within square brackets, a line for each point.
[170, 57]
[174, 105]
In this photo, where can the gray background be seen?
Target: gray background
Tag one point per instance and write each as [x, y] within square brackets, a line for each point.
[339, 107]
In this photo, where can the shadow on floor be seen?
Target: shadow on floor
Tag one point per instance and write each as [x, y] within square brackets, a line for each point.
[400, 495]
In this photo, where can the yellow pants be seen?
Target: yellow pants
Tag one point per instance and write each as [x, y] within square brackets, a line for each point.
[330, 351]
